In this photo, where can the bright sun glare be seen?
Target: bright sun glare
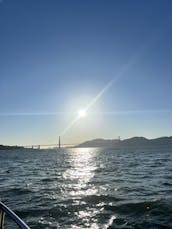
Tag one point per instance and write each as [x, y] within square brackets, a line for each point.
[82, 113]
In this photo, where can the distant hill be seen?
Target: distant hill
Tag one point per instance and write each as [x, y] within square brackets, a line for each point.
[99, 142]
[131, 142]
[2, 147]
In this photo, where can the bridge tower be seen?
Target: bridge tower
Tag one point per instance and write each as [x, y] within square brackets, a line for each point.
[59, 143]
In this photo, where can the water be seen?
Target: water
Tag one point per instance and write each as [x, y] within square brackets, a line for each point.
[88, 188]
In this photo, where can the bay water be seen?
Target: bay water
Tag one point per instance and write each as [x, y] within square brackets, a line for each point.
[88, 187]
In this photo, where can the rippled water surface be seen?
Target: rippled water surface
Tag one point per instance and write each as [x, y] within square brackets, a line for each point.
[88, 188]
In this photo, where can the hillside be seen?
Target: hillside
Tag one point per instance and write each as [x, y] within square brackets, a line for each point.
[131, 142]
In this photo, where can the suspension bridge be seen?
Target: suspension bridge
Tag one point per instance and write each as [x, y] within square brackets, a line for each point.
[55, 145]
[49, 146]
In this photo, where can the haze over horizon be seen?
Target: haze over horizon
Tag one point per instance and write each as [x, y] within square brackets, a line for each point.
[58, 57]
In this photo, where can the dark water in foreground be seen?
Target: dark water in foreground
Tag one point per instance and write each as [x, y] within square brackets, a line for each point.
[88, 188]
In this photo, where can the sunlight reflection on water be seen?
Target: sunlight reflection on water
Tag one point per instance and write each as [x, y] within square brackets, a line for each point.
[81, 171]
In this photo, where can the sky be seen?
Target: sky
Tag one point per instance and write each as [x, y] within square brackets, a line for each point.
[112, 58]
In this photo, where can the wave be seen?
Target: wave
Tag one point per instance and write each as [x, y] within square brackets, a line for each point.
[16, 191]
[96, 199]
[148, 214]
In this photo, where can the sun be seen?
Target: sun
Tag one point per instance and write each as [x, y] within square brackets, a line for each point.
[82, 113]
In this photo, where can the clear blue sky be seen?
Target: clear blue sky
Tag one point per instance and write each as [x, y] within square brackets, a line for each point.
[56, 56]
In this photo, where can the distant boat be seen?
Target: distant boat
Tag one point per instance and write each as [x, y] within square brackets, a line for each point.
[4, 210]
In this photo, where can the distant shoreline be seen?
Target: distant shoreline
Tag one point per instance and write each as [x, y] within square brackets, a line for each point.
[134, 142]
[5, 147]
